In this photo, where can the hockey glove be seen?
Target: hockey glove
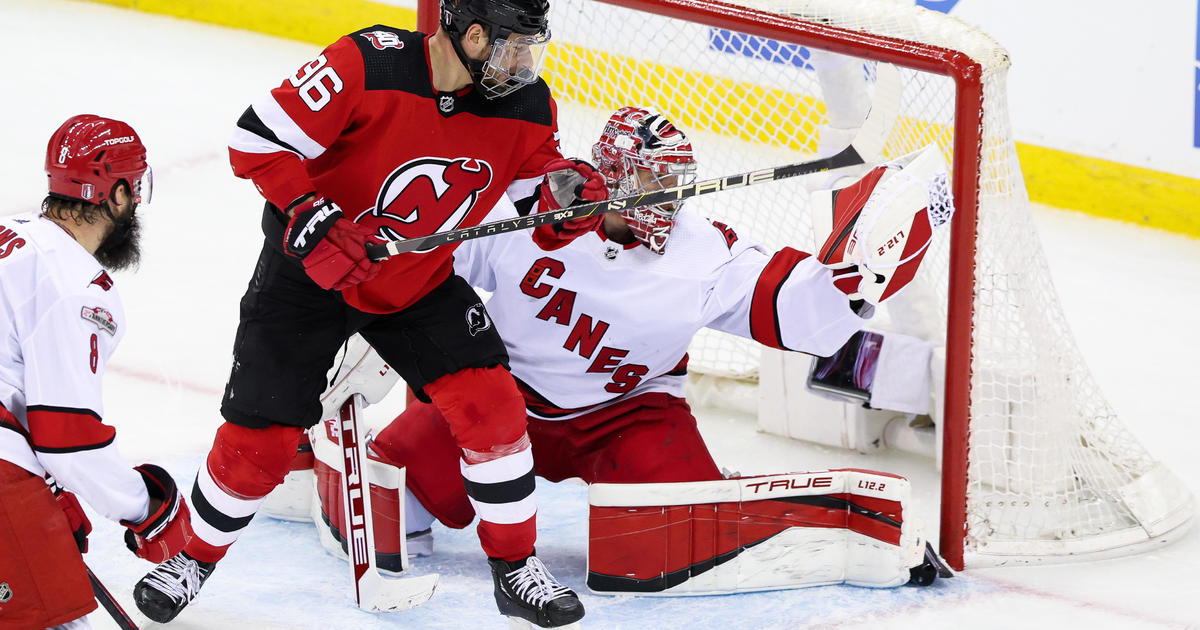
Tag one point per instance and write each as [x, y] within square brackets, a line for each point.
[332, 248]
[166, 529]
[568, 183]
[876, 231]
[77, 520]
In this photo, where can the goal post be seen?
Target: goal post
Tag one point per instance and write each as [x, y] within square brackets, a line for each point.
[1035, 465]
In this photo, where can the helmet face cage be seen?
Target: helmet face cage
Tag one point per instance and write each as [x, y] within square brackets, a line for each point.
[519, 32]
[514, 63]
[89, 155]
[641, 151]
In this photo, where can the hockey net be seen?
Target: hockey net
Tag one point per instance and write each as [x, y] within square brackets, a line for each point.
[1036, 465]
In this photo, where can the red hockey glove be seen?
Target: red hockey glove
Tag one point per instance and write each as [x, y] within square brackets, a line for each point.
[166, 529]
[332, 247]
[568, 183]
[77, 520]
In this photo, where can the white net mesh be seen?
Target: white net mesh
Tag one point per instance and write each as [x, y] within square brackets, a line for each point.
[1051, 470]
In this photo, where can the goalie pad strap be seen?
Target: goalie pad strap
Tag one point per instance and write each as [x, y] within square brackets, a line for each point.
[757, 533]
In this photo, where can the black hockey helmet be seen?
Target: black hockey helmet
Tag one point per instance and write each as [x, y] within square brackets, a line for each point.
[502, 17]
[518, 30]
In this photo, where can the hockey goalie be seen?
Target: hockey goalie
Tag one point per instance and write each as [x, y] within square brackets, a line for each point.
[597, 334]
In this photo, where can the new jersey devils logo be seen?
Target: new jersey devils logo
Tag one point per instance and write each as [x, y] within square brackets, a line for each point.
[477, 319]
[427, 195]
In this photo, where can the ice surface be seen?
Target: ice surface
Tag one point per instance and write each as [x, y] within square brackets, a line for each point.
[1131, 294]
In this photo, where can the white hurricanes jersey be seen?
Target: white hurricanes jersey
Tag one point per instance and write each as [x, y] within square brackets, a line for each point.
[596, 320]
[62, 320]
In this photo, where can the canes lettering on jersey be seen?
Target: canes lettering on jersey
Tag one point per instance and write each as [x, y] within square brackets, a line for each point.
[427, 195]
[9, 241]
[586, 333]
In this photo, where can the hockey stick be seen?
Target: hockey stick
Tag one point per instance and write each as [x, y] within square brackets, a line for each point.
[867, 143]
[109, 603]
[372, 591]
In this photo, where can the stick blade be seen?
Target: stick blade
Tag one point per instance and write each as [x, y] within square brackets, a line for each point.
[388, 595]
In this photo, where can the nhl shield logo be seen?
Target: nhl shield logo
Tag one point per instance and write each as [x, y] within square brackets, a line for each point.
[477, 319]
[5, 593]
[446, 103]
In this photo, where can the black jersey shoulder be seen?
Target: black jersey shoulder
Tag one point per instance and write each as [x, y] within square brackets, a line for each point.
[530, 104]
[393, 59]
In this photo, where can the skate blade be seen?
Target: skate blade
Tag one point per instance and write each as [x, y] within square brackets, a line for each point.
[517, 623]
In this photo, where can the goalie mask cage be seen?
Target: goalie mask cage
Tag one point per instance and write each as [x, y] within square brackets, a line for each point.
[1036, 466]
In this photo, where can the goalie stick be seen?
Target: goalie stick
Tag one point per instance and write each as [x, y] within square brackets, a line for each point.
[372, 591]
[109, 603]
[867, 143]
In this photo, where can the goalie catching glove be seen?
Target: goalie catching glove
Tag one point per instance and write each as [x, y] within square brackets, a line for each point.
[876, 230]
[568, 183]
[332, 247]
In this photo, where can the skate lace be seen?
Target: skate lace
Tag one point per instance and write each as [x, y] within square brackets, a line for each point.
[534, 584]
[179, 578]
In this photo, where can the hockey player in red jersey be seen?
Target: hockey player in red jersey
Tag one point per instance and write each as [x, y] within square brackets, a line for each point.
[64, 320]
[597, 334]
[388, 134]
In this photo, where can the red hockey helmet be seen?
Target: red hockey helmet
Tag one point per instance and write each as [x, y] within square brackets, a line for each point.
[89, 155]
[640, 150]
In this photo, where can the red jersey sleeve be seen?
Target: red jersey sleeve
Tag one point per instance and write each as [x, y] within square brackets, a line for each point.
[523, 189]
[298, 121]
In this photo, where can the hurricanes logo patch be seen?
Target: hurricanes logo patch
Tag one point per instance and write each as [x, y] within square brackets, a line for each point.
[427, 195]
[727, 232]
[102, 280]
[5, 593]
[477, 319]
[383, 39]
[101, 318]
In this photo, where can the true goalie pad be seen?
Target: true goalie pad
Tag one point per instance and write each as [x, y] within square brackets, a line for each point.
[387, 500]
[357, 370]
[882, 224]
[751, 534]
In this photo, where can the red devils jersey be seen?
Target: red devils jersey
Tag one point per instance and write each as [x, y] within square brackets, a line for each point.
[363, 125]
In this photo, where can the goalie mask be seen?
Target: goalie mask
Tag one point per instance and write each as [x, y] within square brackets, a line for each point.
[641, 151]
[518, 31]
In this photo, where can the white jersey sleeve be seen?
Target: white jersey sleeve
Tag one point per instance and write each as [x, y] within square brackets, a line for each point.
[66, 322]
[784, 300]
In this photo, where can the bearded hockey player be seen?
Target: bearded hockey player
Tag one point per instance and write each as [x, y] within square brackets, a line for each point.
[597, 333]
[387, 134]
[63, 320]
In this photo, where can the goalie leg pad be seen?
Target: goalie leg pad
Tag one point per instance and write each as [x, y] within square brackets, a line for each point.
[386, 482]
[360, 370]
[750, 534]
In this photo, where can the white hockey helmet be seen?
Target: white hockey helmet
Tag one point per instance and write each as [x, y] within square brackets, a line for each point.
[640, 150]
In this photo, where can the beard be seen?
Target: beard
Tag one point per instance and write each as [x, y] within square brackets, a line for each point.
[121, 248]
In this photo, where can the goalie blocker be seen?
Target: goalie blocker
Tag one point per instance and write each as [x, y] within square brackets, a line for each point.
[796, 530]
